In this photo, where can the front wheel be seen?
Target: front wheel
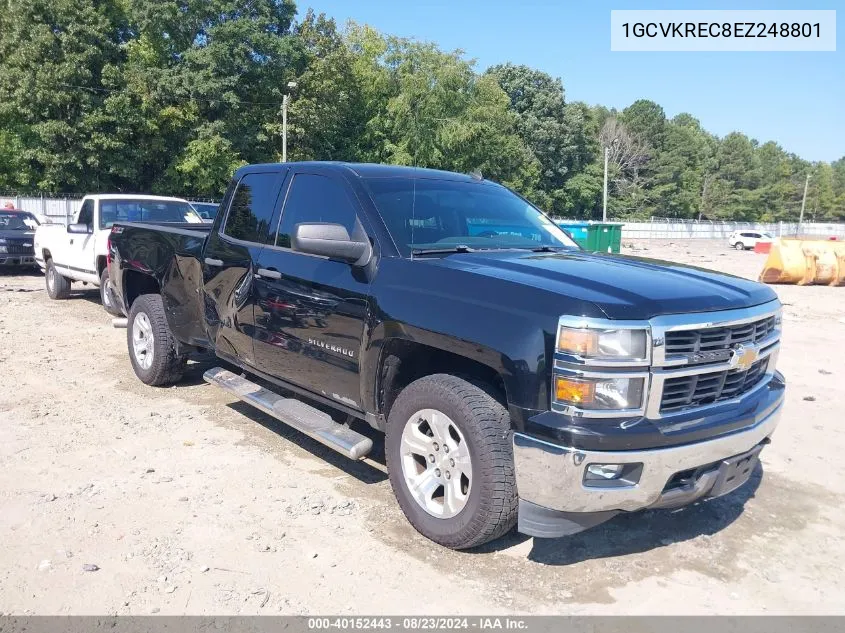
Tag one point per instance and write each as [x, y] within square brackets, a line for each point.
[450, 461]
[152, 346]
[58, 286]
[106, 295]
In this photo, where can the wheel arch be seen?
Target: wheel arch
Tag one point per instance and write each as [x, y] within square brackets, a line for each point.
[135, 284]
[402, 361]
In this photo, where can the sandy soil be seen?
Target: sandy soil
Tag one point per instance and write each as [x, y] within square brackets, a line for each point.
[189, 502]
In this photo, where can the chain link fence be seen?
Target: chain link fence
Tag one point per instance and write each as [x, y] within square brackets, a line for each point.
[672, 228]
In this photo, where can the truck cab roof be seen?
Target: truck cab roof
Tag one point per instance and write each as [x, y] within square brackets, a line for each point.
[369, 170]
[133, 196]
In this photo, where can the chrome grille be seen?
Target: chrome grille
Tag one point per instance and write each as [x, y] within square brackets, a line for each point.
[718, 338]
[701, 389]
[17, 248]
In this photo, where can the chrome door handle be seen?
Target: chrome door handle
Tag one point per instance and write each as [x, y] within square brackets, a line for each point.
[269, 273]
[213, 262]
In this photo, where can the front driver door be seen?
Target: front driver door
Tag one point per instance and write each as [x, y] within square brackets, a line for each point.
[80, 250]
[231, 250]
[310, 312]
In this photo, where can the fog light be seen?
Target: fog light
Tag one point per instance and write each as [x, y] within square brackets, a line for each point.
[604, 471]
[613, 475]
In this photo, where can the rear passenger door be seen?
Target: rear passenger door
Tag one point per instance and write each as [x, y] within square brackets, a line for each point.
[310, 311]
[249, 213]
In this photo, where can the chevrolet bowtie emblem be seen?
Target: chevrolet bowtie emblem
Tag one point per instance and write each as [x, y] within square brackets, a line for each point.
[743, 357]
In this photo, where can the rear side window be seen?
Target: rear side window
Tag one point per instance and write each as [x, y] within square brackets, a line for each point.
[315, 198]
[252, 208]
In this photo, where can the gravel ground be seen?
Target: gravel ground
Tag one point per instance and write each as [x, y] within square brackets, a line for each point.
[117, 498]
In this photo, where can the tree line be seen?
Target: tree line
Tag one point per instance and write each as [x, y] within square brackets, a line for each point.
[171, 96]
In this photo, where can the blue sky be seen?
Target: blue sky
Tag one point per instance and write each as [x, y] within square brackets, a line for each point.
[795, 99]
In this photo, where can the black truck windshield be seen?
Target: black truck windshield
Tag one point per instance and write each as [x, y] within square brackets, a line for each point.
[143, 210]
[439, 215]
[17, 222]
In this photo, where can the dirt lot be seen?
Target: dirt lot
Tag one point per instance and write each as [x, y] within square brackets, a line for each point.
[189, 502]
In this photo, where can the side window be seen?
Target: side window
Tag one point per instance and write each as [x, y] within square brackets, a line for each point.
[252, 208]
[315, 198]
[86, 213]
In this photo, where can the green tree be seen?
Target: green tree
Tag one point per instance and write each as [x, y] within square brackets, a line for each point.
[680, 169]
[821, 198]
[441, 114]
[646, 120]
[560, 136]
[327, 114]
[55, 56]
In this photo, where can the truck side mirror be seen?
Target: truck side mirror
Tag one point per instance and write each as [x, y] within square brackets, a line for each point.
[332, 241]
[79, 227]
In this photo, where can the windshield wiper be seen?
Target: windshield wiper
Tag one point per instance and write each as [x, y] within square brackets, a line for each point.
[549, 249]
[459, 248]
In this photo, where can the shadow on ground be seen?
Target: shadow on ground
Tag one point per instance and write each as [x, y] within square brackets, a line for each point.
[627, 533]
[637, 532]
[360, 470]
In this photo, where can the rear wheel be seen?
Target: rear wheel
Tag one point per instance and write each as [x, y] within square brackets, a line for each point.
[106, 296]
[152, 346]
[450, 461]
[739, 246]
[58, 286]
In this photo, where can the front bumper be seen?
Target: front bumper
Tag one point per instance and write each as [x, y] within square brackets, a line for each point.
[17, 260]
[550, 477]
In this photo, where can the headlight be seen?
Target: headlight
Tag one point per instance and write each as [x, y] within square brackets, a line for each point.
[3, 249]
[603, 344]
[600, 393]
[2, 241]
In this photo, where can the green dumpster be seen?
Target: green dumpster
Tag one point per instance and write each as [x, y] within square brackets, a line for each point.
[606, 237]
[595, 236]
[579, 232]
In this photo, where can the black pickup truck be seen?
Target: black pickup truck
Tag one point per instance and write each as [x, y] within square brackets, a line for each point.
[517, 378]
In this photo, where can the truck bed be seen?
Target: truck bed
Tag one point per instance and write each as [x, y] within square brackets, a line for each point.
[171, 255]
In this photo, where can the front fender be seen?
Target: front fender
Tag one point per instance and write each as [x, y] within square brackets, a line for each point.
[505, 326]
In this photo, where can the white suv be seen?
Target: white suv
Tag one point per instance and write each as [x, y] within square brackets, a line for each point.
[744, 240]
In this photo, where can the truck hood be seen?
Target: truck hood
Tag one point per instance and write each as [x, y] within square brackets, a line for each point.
[20, 235]
[623, 287]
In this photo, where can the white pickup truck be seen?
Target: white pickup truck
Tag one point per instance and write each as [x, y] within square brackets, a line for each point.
[79, 252]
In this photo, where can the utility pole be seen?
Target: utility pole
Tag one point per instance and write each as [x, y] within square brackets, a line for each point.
[803, 202]
[285, 100]
[604, 199]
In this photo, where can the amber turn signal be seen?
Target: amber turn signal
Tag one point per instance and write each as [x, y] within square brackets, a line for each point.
[571, 391]
[579, 342]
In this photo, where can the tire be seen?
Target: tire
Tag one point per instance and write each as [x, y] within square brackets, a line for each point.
[58, 286]
[154, 358]
[739, 246]
[106, 296]
[487, 506]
